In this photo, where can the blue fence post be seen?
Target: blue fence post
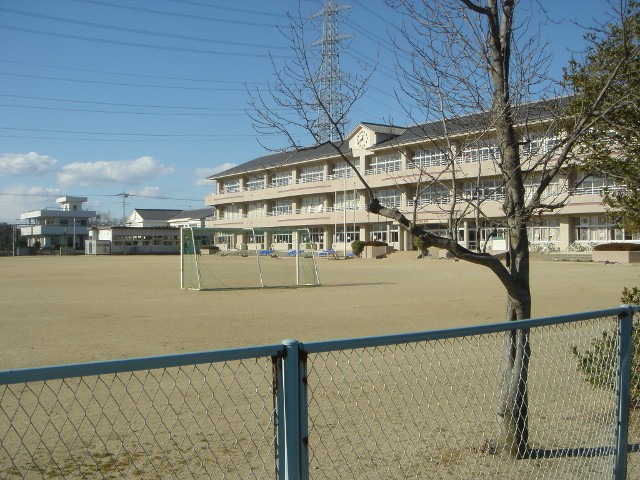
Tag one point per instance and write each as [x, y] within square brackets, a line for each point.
[292, 441]
[624, 388]
[304, 417]
[278, 385]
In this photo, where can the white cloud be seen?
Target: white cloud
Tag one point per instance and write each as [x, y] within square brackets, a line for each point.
[19, 199]
[23, 164]
[128, 172]
[202, 173]
[149, 192]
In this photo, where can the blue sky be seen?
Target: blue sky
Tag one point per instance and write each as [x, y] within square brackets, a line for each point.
[148, 97]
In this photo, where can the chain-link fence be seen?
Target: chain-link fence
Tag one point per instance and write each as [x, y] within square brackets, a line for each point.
[429, 406]
[211, 419]
[424, 405]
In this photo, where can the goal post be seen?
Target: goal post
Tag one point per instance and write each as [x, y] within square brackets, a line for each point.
[227, 258]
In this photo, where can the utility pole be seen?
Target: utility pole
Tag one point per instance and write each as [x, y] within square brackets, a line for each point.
[332, 99]
[124, 203]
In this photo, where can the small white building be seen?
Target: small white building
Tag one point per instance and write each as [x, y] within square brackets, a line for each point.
[65, 227]
[150, 217]
[118, 240]
[147, 232]
[193, 218]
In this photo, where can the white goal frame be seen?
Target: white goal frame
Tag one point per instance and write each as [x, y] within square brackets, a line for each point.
[192, 250]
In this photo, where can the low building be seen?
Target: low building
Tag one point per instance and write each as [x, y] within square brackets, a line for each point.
[124, 240]
[150, 217]
[64, 228]
[148, 232]
[193, 218]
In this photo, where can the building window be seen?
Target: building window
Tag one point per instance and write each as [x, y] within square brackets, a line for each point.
[255, 210]
[439, 229]
[433, 194]
[281, 179]
[315, 237]
[346, 201]
[385, 163]
[378, 233]
[344, 170]
[352, 233]
[532, 181]
[545, 230]
[487, 189]
[312, 204]
[394, 233]
[282, 207]
[283, 238]
[587, 184]
[480, 153]
[257, 238]
[312, 174]
[225, 240]
[64, 221]
[231, 186]
[538, 145]
[600, 229]
[431, 157]
[231, 211]
[390, 197]
[255, 183]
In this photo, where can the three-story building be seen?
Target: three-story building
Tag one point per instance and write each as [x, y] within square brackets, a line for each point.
[447, 182]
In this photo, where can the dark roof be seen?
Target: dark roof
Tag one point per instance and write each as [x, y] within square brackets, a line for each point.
[199, 213]
[528, 112]
[155, 214]
[283, 158]
[475, 122]
[382, 128]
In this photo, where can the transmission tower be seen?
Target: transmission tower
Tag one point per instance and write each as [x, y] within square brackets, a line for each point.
[330, 78]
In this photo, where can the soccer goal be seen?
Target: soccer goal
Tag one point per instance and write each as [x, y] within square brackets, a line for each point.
[228, 258]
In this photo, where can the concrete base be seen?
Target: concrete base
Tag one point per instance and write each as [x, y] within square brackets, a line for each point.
[615, 257]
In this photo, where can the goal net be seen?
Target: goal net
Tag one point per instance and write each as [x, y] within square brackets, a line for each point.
[224, 258]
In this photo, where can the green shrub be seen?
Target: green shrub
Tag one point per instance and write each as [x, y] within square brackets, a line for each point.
[630, 297]
[599, 363]
[420, 245]
[375, 243]
[357, 246]
[617, 247]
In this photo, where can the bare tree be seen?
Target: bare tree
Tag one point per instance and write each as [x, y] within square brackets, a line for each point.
[474, 72]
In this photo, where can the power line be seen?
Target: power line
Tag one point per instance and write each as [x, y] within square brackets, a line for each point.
[141, 45]
[125, 112]
[67, 100]
[52, 195]
[155, 140]
[161, 135]
[122, 84]
[103, 72]
[181, 15]
[138, 31]
[229, 9]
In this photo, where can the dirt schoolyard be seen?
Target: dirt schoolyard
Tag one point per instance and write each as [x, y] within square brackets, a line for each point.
[58, 310]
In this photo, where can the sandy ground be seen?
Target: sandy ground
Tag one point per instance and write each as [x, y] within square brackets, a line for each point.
[368, 418]
[57, 310]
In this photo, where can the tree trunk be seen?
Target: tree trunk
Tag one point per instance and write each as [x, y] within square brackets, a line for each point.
[513, 409]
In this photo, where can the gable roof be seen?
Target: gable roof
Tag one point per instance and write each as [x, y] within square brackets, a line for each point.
[384, 128]
[282, 158]
[197, 214]
[476, 122]
[155, 214]
[531, 112]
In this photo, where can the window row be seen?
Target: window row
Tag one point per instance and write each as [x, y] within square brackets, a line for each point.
[392, 162]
